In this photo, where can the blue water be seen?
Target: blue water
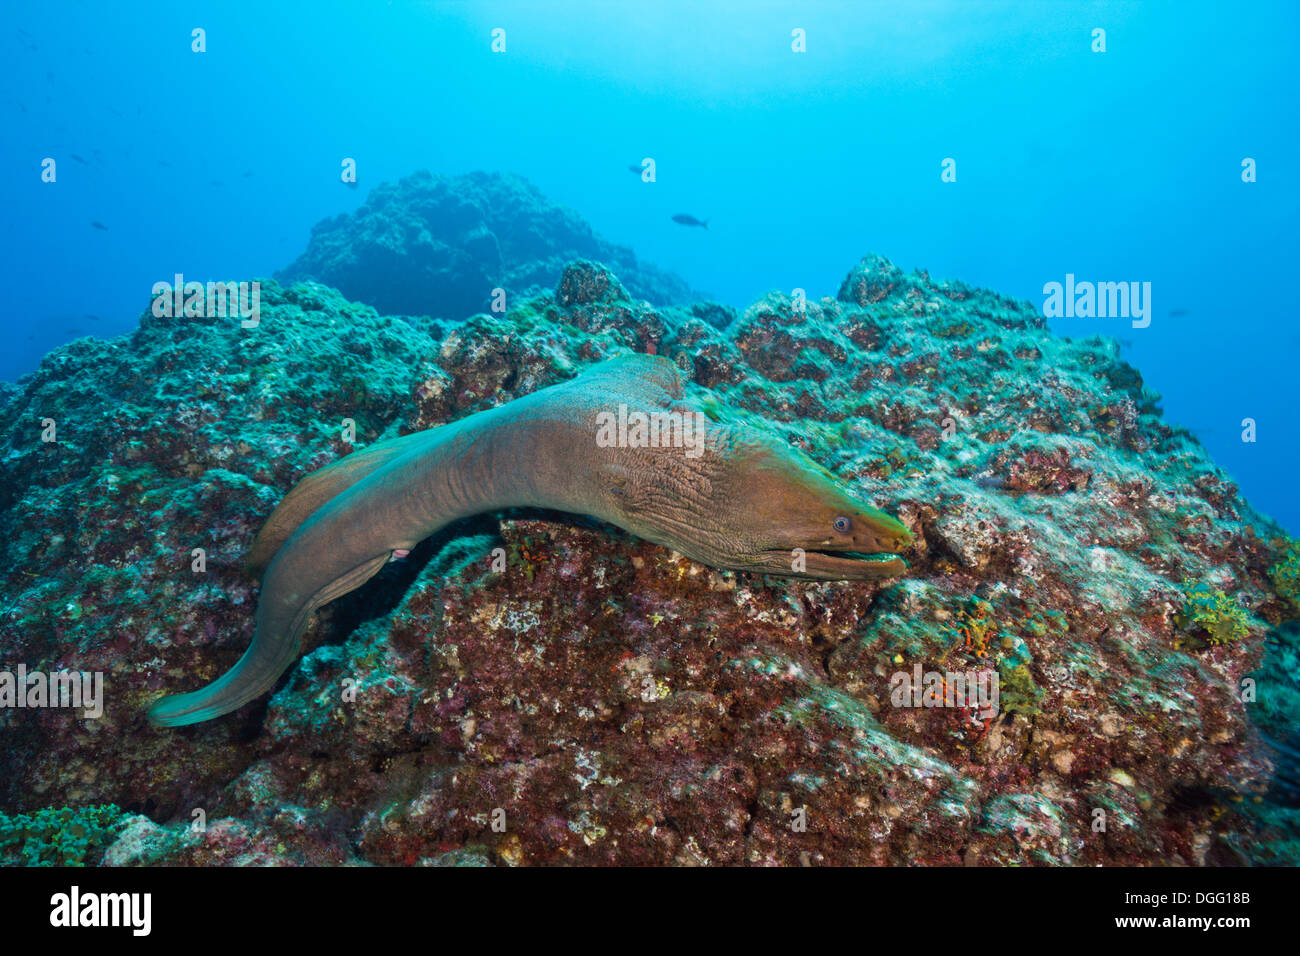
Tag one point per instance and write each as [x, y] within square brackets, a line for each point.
[1123, 165]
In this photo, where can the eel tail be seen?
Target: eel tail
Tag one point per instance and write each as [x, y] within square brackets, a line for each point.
[272, 651]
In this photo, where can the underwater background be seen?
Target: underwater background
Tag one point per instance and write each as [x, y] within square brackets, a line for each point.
[1115, 166]
[1107, 532]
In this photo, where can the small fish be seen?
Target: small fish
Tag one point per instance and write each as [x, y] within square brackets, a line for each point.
[353, 184]
[636, 169]
[217, 182]
[1176, 313]
[686, 220]
[92, 317]
[72, 331]
[79, 159]
[98, 225]
[163, 162]
[247, 173]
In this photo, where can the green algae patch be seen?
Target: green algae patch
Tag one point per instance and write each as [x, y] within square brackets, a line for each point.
[59, 837]
[1211, 617]
[897, 461]
[1285, 576]
[1017, 690]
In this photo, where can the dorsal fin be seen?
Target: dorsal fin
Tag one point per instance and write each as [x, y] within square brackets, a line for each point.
[315, 490]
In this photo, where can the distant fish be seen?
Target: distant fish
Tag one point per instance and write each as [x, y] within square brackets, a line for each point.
[247, 173]
[217, 182]
[686, 220]
[163, 162]
[638, 169]
[92, 317]
[98, 225]
[79, 159]
[353, 184]
[1177, 313]
[72, 331]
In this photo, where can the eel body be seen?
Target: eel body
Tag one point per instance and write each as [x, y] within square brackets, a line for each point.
[737, 499]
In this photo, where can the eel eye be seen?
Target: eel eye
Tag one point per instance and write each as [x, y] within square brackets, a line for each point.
[841, 523]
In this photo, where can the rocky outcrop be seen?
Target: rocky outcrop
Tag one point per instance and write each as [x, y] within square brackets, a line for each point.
[440, 245]
[603, 700]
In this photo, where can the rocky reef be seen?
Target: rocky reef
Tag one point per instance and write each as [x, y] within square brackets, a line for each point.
[442, 244]
[601, 699]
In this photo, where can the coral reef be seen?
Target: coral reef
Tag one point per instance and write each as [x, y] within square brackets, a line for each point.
[600, 699]
[441, 244]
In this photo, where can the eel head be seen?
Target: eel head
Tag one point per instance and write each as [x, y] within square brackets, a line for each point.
[796, 520]
[752, 503]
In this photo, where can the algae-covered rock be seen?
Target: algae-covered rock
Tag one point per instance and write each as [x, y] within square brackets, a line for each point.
[440, 245]
[538, 688]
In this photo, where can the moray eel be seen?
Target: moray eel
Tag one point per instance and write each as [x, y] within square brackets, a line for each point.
[738, 499]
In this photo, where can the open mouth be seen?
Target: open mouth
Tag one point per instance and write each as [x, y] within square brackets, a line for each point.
[846, 565]
[856, 555]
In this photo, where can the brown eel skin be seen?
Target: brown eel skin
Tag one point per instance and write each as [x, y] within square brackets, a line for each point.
[724, 494]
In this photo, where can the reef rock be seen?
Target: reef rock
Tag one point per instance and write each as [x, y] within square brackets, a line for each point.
[603, 700]
[442, 244]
